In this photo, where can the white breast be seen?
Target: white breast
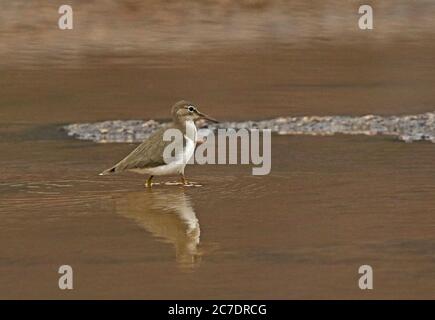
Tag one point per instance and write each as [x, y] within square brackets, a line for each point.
[180, 159]
[190, 136]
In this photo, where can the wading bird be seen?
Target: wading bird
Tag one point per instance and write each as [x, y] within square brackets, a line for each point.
[148, 157]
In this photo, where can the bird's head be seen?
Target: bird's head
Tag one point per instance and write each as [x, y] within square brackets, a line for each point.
[186, 111]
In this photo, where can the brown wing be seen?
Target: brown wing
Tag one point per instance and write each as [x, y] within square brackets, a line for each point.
[148, 154]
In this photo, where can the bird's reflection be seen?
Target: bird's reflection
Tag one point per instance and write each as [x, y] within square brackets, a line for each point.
[169, 216]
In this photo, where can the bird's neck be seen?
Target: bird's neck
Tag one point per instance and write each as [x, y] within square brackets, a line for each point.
[188, 128]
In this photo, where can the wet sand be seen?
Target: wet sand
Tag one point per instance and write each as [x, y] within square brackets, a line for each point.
[329, 205]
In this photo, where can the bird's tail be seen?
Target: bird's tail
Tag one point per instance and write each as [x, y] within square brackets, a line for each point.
[108, 171]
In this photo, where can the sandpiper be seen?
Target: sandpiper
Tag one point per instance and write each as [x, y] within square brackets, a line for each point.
[148, 158]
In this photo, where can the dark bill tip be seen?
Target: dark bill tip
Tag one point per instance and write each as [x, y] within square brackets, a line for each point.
[206, 117]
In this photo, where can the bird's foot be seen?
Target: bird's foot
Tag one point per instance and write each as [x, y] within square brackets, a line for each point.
[191, 184]
[153, 185]
[173, 183]
[179, 183]
[149, 183]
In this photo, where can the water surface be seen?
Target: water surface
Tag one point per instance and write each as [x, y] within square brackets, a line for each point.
[329, 205]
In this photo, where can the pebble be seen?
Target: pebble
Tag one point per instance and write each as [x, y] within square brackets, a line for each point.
[407, 128]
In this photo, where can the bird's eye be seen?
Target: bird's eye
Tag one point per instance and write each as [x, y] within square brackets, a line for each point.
[191, 109]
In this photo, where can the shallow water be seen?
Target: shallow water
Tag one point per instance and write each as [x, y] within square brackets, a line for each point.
[329, 205]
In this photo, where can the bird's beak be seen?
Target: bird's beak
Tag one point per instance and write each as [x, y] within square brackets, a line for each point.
[206, 117]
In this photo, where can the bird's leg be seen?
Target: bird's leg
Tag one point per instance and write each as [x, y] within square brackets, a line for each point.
[148, 183]
[183, 179]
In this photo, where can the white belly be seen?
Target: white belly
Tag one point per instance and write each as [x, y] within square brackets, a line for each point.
[167, 169]
[180, 159]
